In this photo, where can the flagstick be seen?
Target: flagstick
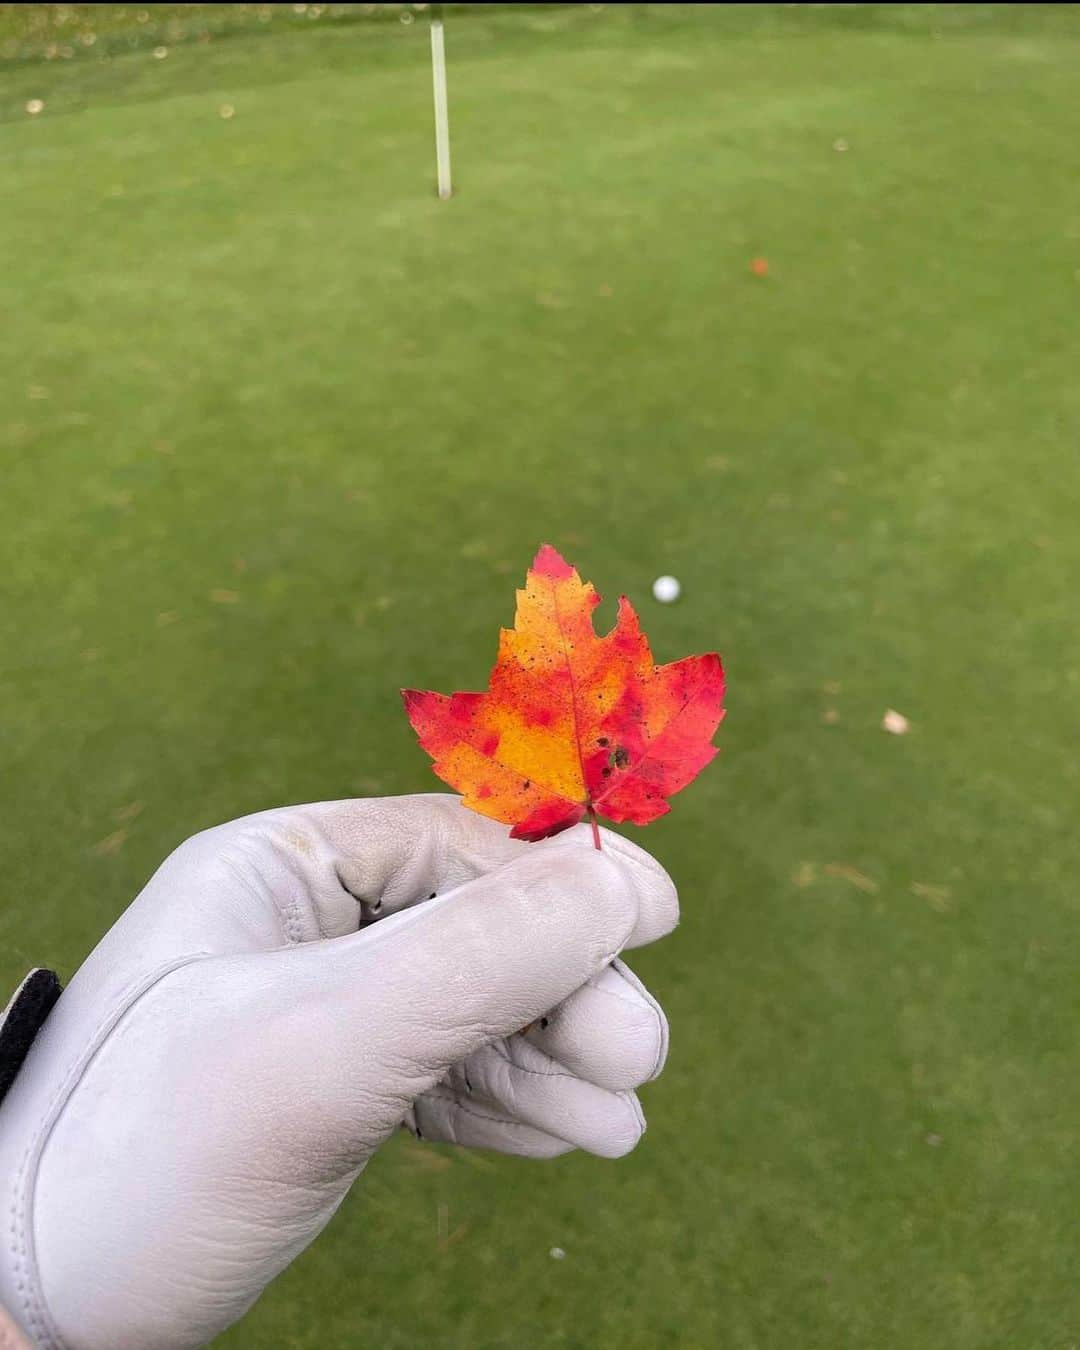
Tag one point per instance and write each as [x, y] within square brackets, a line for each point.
[442, 118]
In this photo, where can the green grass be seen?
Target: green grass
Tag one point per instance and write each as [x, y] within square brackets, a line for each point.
[255, 359]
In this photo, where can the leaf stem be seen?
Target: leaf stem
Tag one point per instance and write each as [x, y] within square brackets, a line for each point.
[595, 830]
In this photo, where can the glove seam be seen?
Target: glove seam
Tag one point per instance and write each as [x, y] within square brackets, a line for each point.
[291, 916]
[613, 993]
[626, 1095]
[650, 1003]
[565, 1073]
[36, 1316]
[504, 1054]
[631, 980]
[488, 1116]
[288, 914]
[291, 912]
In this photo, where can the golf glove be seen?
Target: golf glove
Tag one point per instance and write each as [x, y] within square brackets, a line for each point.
[286, 991]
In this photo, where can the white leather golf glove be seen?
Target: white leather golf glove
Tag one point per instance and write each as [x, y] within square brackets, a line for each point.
[220, 1069]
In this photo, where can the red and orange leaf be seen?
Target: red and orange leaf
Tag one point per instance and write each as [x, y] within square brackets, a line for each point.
[572, 723]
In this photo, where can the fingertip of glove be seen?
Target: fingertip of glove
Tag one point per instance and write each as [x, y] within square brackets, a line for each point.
[628, 1132]
[658, 900]
[627, 868]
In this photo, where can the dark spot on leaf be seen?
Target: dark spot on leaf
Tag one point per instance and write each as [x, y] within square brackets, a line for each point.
[607, 771]
[603, 740]
[621, 757]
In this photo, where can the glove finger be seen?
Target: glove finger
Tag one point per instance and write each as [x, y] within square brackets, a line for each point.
[381, 1015]
[611, 1031]
[396, 852]
[436, 982]
[441, 1117]
[658, 900]
[522, 1083]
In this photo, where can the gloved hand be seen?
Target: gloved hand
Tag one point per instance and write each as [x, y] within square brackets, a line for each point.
[233, 1051]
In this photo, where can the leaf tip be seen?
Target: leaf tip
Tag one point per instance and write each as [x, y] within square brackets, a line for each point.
[424, 710]
[627, 615]
[549, 562]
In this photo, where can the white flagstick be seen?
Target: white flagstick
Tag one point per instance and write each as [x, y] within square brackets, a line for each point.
[442, 120]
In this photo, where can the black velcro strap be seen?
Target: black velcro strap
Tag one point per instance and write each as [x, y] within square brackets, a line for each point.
[28, 1009]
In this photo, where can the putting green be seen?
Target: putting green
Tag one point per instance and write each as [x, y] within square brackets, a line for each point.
[280, 433]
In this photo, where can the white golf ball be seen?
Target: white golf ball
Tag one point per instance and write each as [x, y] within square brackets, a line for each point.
[666, 589]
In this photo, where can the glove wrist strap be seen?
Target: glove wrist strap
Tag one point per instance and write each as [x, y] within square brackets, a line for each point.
[22, 1019]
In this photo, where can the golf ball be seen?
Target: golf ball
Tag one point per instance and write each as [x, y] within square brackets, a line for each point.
[666, 589]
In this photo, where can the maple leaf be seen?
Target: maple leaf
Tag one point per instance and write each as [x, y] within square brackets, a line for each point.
[572, 724]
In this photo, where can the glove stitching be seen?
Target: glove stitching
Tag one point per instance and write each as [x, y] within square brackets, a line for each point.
[38, 1319]
[631, 1100]
[652, 1007]
[631, 980]
[265, 895]
[504, 1054]
[626, 1097]
[291, 913]
[615, 993]
[488, 1117]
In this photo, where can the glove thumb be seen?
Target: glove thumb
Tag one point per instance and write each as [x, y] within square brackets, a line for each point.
[440, 980]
